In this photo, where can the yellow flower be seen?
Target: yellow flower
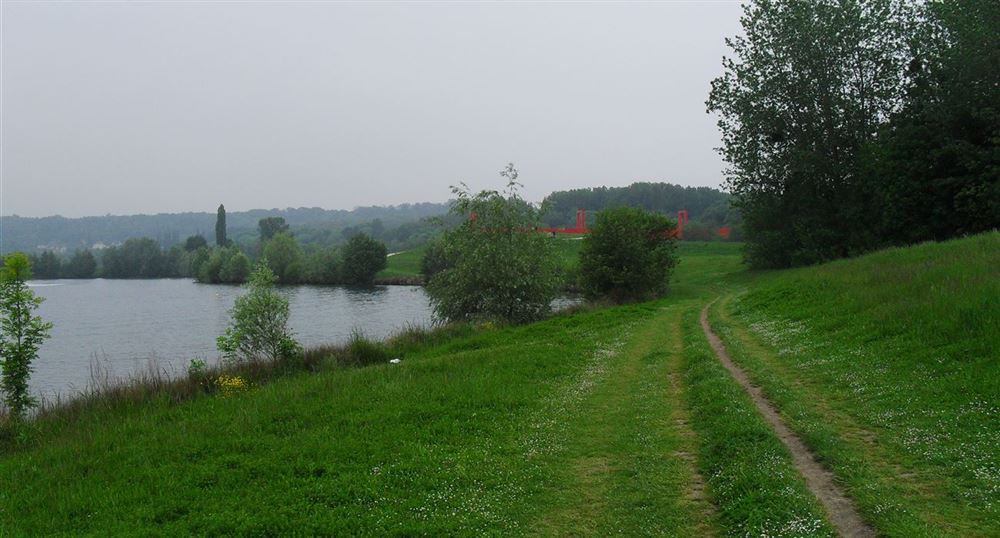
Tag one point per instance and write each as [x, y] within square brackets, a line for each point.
[231, 385]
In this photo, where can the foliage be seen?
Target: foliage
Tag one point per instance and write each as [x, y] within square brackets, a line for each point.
[806, 88]
[45, 266]
[259, 327]
[283, 256]
[850, 125]
[362, 351]
[235, 269]
[81, 265]
[322, 266]
[198, 373]
[270, 227]
[628, 256]
[708, 208]
[406, 226]
[138, 258]
[21, 334]
[196, 242]
[434, 260]
[220, 227]
[934, 172]
[364, 257]
[223, 265]
[503, 270]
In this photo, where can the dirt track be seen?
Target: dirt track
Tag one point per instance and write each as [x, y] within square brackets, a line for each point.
[820, 481]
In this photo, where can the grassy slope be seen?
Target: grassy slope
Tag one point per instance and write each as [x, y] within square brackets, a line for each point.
[563, 424]
[613, 421]
[403, 264]
[888, 366]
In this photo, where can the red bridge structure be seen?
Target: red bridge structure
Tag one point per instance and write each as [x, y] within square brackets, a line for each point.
[581, 225]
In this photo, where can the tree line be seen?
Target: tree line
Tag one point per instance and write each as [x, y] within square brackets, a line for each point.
[709, 209]
[355, 263]
[853, 125]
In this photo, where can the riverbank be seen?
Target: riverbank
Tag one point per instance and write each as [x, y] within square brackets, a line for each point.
[610, 420]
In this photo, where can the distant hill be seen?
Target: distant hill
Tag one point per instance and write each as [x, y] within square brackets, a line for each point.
[66, 234]
[399, 226]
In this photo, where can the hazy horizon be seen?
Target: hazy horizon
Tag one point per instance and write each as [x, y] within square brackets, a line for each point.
[114, 108]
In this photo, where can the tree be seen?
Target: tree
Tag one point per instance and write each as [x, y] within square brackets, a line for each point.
[220, 227]
[81, 265]
[226, 265]
[46, 265]
[628, 255]
[322, 267]
[270, 227]
[364, 257]
[934, 172]
[137, 258]
[502, 269]
[283, 257]
[259, 326]
[235, 269]
[434, 260]
[21, 333]
[194, 242]
[807, 87]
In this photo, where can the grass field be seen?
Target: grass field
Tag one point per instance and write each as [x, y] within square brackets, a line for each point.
[610, 421]
[402, 264]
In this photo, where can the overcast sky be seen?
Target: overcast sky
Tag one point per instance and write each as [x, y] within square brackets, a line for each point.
[128, 108]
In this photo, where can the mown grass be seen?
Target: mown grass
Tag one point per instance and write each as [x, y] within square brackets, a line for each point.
[887, 365]
[403, 264]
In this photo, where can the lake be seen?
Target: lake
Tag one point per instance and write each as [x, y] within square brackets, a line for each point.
[124, 326]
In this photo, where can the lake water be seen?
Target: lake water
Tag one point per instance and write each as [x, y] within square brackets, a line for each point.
[124, 326]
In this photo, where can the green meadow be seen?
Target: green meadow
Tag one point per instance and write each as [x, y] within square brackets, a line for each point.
[599, 421]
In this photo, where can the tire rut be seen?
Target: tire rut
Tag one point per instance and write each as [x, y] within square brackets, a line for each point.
[820, 481]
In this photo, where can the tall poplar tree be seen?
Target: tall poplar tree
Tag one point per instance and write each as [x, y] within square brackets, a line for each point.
[220, 227]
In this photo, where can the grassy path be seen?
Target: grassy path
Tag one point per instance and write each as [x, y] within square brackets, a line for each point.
[628, 465]
[839, 508]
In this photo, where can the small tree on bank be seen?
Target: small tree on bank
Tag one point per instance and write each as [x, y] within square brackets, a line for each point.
[21, 334]
[259, 327]
[628, 255]
[364, 257]
[499, 268]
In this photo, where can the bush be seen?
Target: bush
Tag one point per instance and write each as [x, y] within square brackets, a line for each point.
[434, 260]
[628, 255]
[259, 328]
[21, 334]
[322, 267]
[283, 257]
[361, 351]
[364, 257]
[502, 270]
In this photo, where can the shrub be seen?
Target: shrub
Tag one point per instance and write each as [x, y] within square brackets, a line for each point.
[362, 351]
[259, 327]
[283, 256]
[21, 334]
[322, 267]
[628, 255]
[434, 260]
[364, 257]
[501, 269]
